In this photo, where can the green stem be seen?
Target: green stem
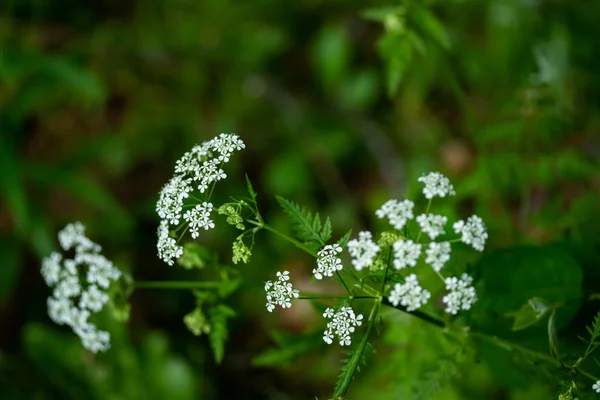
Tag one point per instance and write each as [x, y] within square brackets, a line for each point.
[426, 211]
[175, 285]
[290, 239]
[320, 297]
[352, 366]
[343, 282]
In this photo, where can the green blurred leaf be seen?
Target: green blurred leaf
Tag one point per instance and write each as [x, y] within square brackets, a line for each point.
[430, 26]
[331, 55]
[553, 335]
[194, 256]
[11, 185]
[10, 266]
[397, 52]
[512, 276]
[219, 333]
[530, 313]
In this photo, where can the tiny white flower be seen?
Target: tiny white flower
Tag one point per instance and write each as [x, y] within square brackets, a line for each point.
[409, 294]
[170, 202]
[596, 386]
[461, 296]
[397, 212]
[436, 184]
[406, 253]
[281, 292]
[473, 232]
[328, 261]
[363, 250]
[93, 299]
[432, 224]
[51, 268]
[199, 217]
[64, 276]
[342, 324]
[60, 310]
[437, 255]
[168, 249]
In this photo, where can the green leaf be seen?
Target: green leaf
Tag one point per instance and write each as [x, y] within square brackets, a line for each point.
[251, 191]
[197, 322]
[10, 254]
[434, 376]
[289, 348]
[396, 49]
[307, 226]
[380, 14]
[331, 55]
[552, 335]
[218, 334]
[194, 256]
[344, 239]
[510, 277]
[430, 26]
[530, 313]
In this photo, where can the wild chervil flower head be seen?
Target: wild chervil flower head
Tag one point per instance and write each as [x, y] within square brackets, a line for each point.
[406, 252]
[196, 173]
[432, 225]
[462, 295]
[409, 294]
[328, 261]
[342, 324]
[281, 292]
[362, 250]
[79, 285]
[473, 232]
[436, 184]
[397, 212]
[437, 255]
[596, 386]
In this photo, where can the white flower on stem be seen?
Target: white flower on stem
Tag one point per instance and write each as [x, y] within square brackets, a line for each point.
[60, 310]
[342, 324]
[225, 145]
[363, 250]
[397, 212]
[82, 277]
[432, 224]
[51, 268]
[596, 386]
[437, 255]
[281, 292]
[406, 253]
[436, 184]
[93, 299]
[199, 217]
[168, 249]
[170, 201]
[461, 296]
[328, 261]
[473, 232]
[409, 294]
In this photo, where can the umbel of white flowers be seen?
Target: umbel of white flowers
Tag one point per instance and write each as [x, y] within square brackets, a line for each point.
[196, 173]
[80, 285]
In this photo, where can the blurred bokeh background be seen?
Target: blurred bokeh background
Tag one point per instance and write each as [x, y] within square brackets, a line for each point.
[342, 104]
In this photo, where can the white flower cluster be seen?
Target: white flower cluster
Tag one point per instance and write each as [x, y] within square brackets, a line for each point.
[596, 386]
[432, 225]
[397, 212]
[362, 250]
[280, 293]
[328, 261]
[437, 255]
[436, 184]
[199, 168]
[72, 300]
[473, 232]
[406, 252]
[462, 295]
[342, 324]
[409, 294]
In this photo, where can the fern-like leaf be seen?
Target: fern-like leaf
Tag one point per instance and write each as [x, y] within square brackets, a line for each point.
[218, 329]
[307, 226]
[433, 378]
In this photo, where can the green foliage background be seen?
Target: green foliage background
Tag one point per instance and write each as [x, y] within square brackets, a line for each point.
[341, 105]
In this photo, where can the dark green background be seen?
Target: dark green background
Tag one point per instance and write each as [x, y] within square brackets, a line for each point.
[98, 99]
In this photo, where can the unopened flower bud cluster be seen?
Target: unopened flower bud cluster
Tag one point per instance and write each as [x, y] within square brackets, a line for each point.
[80, 285]
[195, 174]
